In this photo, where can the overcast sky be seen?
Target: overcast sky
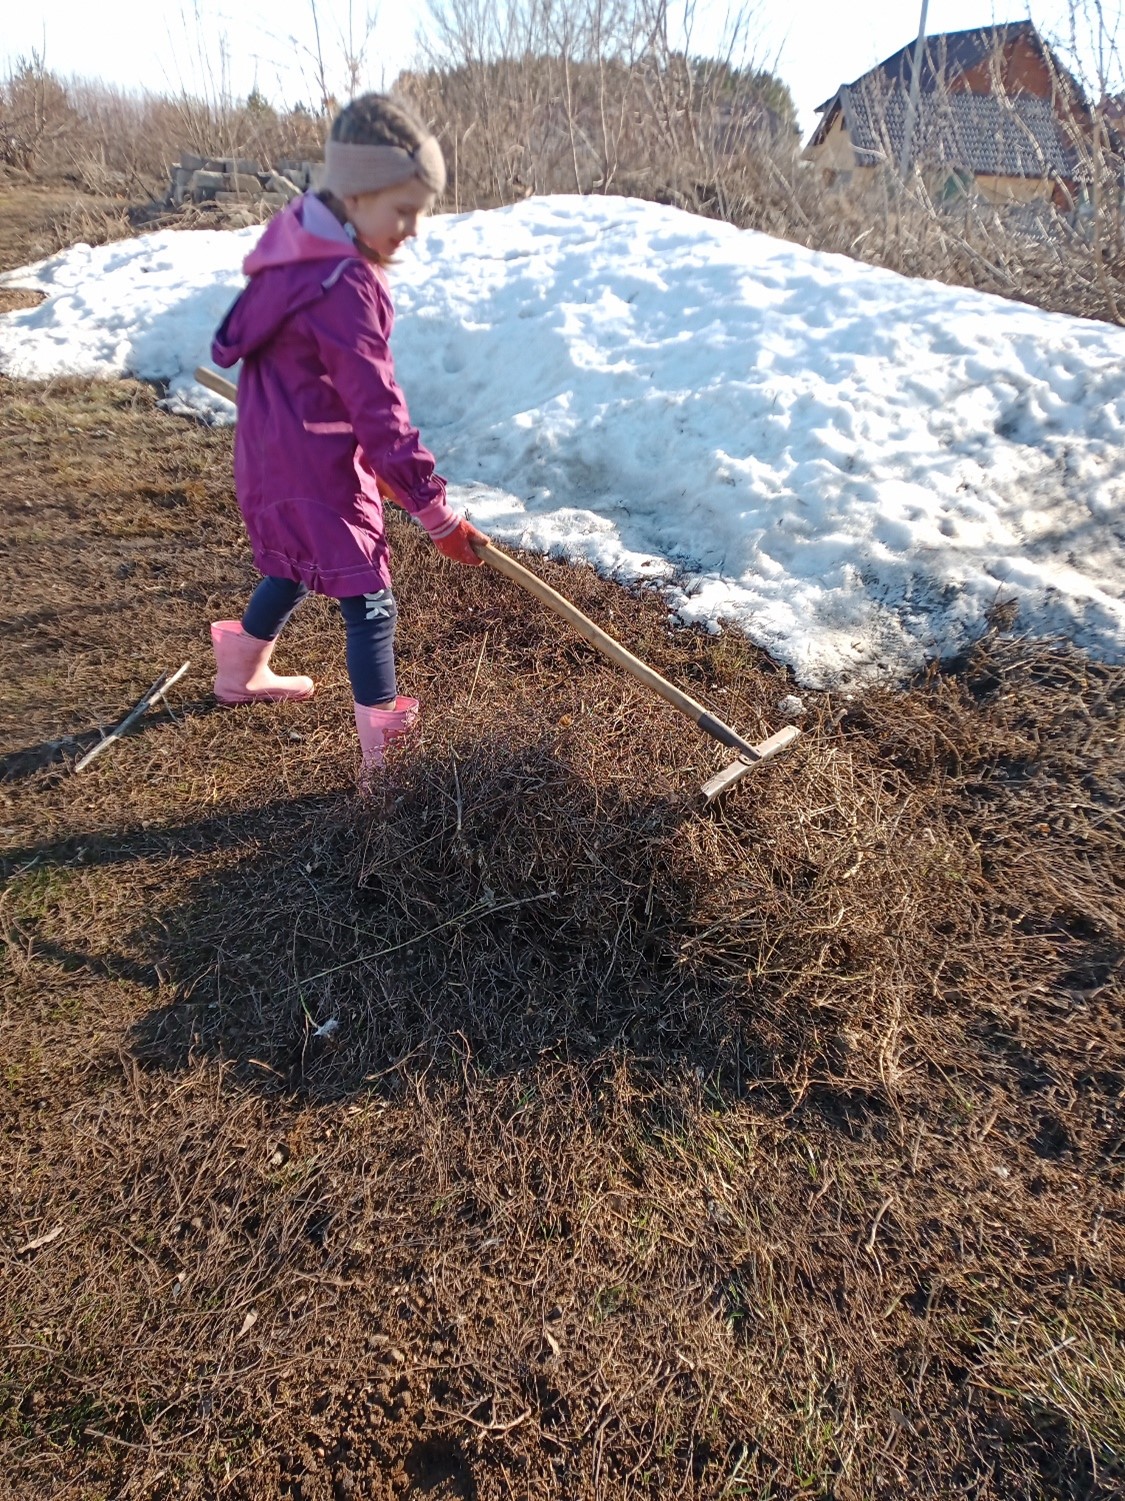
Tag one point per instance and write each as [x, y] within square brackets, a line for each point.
[171, 44]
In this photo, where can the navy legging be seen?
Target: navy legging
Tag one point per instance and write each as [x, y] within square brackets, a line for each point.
[369, 621]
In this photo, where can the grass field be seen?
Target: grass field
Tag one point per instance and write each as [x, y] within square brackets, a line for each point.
[775, 1151]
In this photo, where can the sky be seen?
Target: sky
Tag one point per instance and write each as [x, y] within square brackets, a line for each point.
[814, 45]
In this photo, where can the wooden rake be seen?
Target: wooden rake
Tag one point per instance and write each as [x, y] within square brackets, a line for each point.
[749, 754]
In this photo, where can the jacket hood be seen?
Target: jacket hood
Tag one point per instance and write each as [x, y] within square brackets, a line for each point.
[306, 230]
[302, 248]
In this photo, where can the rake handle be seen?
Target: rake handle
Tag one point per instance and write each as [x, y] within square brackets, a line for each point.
[601, 640]
[217, 383]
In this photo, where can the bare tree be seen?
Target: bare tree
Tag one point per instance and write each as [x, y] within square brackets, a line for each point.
[35, 113]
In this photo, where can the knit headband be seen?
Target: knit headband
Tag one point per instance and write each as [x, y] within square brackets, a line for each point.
[351, 169]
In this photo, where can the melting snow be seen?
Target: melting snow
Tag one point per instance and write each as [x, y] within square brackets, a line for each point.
[852, 465]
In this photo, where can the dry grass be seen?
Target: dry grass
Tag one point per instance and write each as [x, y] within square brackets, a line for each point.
[775, 1151]
[35, 222]
[38, 222]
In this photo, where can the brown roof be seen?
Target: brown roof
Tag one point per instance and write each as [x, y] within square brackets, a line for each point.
[980, 133]
[1000, 135]
[947, 54]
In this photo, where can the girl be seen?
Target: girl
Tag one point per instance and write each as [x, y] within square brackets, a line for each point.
[323, 431]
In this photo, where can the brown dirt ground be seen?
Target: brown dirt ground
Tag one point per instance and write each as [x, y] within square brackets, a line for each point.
[774, 1151]
[35, 221]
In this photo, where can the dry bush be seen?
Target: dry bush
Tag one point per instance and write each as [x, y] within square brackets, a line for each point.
[35, 114]
[118, 143]
[1040, 255]
[587, 96]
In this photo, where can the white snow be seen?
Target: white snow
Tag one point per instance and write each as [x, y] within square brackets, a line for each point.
[850, 464]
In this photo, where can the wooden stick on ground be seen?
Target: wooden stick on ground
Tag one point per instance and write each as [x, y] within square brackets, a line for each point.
[153, 696]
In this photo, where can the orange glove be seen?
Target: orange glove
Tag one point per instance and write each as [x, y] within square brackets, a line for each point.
[457, 544]
[451, 534]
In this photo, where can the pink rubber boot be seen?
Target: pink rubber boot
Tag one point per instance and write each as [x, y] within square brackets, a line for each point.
[244, 675]
[377, 727]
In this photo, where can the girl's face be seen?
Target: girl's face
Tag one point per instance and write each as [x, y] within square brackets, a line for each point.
[384, 220]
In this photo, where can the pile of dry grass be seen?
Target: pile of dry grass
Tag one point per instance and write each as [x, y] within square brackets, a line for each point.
[770, 1151]
[536, 875]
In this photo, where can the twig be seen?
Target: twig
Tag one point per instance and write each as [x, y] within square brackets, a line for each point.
[482, 909]
[493, 1427]
[111, 1438]
[476, 674]
[457, 788]
[875, 1223]
[153, 696]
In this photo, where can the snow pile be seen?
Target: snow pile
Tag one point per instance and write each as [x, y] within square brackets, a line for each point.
[852, 465]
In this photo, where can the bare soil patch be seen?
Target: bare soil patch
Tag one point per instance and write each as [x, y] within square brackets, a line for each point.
[776, 1151]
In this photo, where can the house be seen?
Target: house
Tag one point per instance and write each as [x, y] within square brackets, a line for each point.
[998, 115]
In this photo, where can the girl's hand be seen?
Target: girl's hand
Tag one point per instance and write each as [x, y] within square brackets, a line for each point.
[451, 534]
[457, 544]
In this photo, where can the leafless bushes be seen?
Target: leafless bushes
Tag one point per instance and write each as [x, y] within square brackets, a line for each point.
[35, 114]
[605, 96]
[538, 96]
[1064, 262]
[1013, 187]
[111, 142]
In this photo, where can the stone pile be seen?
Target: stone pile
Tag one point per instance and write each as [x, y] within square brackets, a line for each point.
[232, 180]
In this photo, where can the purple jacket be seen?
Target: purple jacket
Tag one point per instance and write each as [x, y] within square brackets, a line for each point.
[319, 410]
